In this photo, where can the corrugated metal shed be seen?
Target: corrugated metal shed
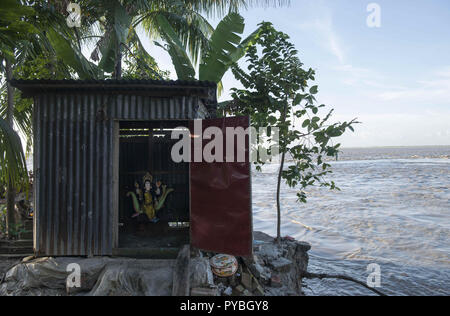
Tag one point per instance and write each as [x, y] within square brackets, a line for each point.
[76, 150]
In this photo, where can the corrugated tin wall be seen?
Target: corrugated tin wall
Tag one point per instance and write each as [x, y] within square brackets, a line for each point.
[74, 165]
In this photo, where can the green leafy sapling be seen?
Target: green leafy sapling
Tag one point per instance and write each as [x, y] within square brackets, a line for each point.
[278, 93]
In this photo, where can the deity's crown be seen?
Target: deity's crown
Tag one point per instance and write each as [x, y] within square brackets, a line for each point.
[147, 177]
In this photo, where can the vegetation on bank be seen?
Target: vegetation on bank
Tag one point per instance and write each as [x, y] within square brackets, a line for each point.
[36, 42]
[279, 92]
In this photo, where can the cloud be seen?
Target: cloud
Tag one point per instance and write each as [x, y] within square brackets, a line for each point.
[357, 76]
[398, 129]
[369, 81]
[444, 72]
[324, 28]
[434, 89]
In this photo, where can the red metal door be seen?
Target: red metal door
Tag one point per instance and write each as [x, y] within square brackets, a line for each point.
[221, 211]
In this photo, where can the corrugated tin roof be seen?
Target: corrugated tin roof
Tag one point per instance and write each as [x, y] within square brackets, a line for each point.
[32, 87]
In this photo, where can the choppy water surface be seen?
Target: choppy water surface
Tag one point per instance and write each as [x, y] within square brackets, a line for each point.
[393, 210]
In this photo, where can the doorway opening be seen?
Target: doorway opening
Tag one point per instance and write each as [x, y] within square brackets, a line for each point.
[153, 189]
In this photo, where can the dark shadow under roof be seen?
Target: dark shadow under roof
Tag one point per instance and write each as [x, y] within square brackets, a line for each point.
[160, 88]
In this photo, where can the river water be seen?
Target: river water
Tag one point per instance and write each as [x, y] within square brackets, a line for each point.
[393, 210]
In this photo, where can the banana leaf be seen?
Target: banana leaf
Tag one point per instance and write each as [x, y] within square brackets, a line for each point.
[223, 44]
[176, 50]
[73, 57]
[116, 35]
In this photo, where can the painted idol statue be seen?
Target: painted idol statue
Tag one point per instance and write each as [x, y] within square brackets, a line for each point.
[149, 200]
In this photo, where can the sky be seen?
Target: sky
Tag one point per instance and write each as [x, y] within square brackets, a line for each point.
[394, 78]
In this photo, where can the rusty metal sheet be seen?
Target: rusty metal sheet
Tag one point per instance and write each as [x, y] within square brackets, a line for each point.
[74, 164]
[221, 213]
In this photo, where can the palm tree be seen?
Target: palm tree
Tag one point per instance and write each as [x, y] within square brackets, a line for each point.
[13, 169]
[14, 28]
[222, 50]
[32, 29]
[113, 25]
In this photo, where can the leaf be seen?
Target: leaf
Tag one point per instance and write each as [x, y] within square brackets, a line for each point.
[176, 50]
[314, 90]
[272, 120]
[298, 98]
[223, 48]
[12, 159]
[72, 56]
[7, 52]
[117, 34]
[14, 25]
[243, 47]
[13, 7]
[224, 104]
[305, 123]
[109, 52]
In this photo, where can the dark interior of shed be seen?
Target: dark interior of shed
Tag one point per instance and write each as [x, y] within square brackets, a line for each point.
[145, 167]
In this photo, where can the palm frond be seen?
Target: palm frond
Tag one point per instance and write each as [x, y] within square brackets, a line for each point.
[220, 8]
[193, 30]
[73, 56]
[176, 50]
[12, 160]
